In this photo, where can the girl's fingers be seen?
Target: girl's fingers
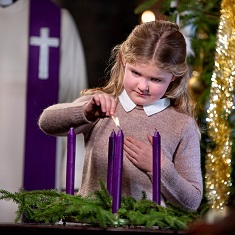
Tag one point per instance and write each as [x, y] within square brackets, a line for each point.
[113, 106]
[150, 138]
[108, 103]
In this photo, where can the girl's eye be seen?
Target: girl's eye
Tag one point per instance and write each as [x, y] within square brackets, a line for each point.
[155, 79]
[135, 73]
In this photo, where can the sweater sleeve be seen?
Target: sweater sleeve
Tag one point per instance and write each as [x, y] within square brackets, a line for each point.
[181, 179]
[59, 118]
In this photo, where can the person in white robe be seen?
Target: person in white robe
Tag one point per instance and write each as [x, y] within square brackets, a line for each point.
[14, 17]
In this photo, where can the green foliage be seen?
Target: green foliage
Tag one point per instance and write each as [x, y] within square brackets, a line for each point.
[50, 207]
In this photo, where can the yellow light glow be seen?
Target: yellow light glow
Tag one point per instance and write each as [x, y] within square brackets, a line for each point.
[116, 120]
[147, 16]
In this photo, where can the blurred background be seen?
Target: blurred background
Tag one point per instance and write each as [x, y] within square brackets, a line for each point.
[102, 24]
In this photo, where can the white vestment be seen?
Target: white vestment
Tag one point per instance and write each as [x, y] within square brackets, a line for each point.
[13, 85]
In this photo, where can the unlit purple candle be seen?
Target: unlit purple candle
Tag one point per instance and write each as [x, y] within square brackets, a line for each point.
[117, 172]
[111, 152]
[70, 170]
[157, 167]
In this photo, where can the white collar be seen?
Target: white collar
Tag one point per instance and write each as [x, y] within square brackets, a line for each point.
[150, 109]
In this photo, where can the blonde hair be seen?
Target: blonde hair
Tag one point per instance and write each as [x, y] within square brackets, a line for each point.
[161, 44]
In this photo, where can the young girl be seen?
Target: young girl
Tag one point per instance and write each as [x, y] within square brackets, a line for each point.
[147, 90]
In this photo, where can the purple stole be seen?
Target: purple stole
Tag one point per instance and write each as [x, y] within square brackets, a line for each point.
[42, 91]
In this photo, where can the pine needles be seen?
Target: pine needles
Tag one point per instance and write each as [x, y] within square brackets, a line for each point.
[50, 207]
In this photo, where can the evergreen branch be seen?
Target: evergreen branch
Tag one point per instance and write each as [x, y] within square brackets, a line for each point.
[50, 206]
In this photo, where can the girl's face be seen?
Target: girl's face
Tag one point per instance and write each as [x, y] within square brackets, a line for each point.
[144, 83]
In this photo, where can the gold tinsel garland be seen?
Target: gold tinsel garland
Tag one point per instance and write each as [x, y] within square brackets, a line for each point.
[218, 160]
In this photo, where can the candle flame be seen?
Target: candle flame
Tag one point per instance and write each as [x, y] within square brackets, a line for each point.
[116, 120]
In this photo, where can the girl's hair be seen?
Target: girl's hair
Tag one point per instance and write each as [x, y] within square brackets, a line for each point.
[158, 43]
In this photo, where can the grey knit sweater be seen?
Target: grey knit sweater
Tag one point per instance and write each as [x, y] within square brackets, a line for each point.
[181, 176]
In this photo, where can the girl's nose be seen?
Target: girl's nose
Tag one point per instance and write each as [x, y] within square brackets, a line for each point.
[143, 85]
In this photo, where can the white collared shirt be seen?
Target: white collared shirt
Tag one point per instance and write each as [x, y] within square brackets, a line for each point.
[150, 109]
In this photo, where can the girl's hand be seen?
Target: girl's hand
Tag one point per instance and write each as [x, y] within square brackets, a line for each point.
[101, 105]
[140, 153]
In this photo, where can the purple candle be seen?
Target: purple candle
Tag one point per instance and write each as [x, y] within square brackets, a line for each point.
[157, 167]
[110, 162]
[71, 145]
[117, 171]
